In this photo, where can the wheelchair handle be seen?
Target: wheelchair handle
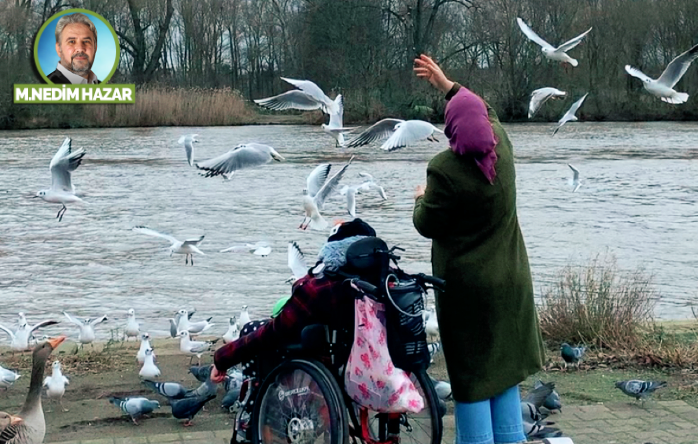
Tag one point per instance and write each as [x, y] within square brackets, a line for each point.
[438, 283]
[366, 287]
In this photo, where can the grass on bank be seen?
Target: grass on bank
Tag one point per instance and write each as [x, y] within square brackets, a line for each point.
[611, 312]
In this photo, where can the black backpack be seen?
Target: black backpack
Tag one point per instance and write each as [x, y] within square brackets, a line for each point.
[369, 259]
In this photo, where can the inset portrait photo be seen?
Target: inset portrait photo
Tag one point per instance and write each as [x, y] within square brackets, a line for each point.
[76, 46]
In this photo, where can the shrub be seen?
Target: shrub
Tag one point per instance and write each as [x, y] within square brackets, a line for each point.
[598, 305]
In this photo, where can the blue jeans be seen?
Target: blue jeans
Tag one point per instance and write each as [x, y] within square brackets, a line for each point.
[494, 420]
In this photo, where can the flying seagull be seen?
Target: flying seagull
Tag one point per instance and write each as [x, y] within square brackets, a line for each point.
[570, 114]
[62, 190]
[246, 155]
[188, 141]
[540, 96]
[559, 53]
[260, 248]
[400, 133]
[575, 178]
[318, 188]
[307, 97]
[188, 247]
[663, 86]
[336, 127]
[296, 262]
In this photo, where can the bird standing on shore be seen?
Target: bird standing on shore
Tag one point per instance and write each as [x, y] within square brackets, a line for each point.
[55, 384]
[87, 327]
[132, 329]
[233, 332]
[194, 348]
[135, 407]
[7, 378]
[244, 317]
[571, 355]
[639, 389]
[145, 345]
[149, 369]
[194, 328]
[19, 339]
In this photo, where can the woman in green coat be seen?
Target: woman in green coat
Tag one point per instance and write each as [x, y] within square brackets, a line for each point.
[487, 317]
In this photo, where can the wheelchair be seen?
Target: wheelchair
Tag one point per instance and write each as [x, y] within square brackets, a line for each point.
[296, 396]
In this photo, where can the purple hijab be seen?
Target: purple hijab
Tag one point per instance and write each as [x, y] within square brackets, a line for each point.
[469, 130]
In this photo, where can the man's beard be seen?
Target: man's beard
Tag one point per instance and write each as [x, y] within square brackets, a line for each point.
[87, 65]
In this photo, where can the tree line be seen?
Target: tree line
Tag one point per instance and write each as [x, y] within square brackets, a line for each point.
[364, 50]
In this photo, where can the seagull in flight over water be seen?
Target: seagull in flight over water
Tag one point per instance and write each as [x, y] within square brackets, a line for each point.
[540, 96]
[319, 187]
[570, 114]
[307, 97]
[400, 133]
[62, 190]
[663, 87]
[575, 178]
[188, 141]
[559, 53]
[246, 155]
[188, 247]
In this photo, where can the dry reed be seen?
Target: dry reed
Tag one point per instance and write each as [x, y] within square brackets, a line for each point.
[159, 106]
[598, 305]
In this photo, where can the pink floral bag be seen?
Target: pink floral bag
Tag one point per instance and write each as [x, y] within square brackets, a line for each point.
[371, 379]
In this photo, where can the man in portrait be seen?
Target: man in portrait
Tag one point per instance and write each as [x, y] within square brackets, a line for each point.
[76, 45]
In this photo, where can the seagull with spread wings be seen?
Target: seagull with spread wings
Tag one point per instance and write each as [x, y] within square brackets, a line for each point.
[663, 87]
[540, 96]
[399, 133]
[307, 97]
[570, 114]
[575, 178]
[296, 262]
[549, 51]
[336, 127]
[19, 339]
[188, 247]
[319, 187]
[87, 327]
[62, 190]
[246, 155]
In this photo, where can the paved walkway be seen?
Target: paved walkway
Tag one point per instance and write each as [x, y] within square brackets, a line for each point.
[664, 422]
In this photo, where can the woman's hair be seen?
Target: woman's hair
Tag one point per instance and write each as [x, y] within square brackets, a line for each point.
[74, 18]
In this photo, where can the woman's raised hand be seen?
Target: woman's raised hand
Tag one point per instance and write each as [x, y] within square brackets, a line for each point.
[426, 68]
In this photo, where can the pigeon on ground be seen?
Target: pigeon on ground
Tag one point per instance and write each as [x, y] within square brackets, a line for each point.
[172, 390]
[539, 394]
[571, 355]
[232, 385]
[187, 408]
[553, 401]
[201, 372]
[639, 389]
[540, 430]
[135, 407]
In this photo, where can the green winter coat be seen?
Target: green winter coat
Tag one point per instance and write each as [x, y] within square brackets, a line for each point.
[487, 317]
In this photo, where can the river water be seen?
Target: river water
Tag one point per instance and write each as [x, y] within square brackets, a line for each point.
[638, 202]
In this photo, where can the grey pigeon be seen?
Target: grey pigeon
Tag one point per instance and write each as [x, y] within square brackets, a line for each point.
[553, 401]
[443, 389]
[135, 407]
[571, 355]
[639, 389]
[201, 372]
[530, 413]
[187, 408]
[206, 388]
[173, 390]
[539, 394]
[230, 397]
[540, 430]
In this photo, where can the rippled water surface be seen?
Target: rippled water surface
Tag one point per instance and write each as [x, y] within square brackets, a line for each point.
[638, 201]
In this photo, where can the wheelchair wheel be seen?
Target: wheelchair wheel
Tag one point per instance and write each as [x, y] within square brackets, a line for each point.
[300, 403]
[424, 427]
